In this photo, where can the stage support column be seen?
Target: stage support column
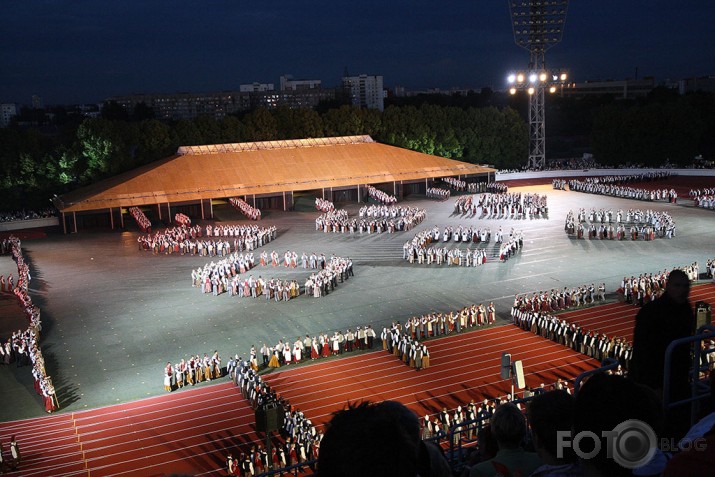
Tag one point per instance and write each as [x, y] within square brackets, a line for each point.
[358, 194]
[74, 219]
[168, 213]
[202, 209]
[121, 216]
[111, 218]
[284, 201]
[211, 203]
[254, 201]
[64, 223]
[158, 207]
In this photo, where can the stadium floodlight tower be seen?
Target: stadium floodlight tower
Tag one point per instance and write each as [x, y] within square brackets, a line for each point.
[538, 26]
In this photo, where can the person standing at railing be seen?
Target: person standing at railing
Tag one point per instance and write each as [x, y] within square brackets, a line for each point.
[659, 323]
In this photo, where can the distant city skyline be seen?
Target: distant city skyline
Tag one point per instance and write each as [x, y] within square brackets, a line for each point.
[84, 51]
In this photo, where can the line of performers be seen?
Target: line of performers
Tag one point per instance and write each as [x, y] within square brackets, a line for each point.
[324, 205]
[704, 198]
[242, 206]
[380, 196]
[418, 249]
[23, 347]
[182, 219]
[438, 194]
[502, 206]
[195, 369]
[648, 224]
[321, 346]
[189, 240]
[372, 219]
[629, 178]
[142, 220]
[589, 342]
[623, 191]
[559, 184]
[223, 276]
[454, 183]
[649, 286]
[300, 439]
[409, 350]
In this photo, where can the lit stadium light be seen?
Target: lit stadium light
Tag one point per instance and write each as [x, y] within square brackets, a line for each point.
[542, 77]
[520, 78]
[552, 89]
[563, 76]
[511, 79]
[530, 90]
[554, 77]
[512, 91]
[532, 78]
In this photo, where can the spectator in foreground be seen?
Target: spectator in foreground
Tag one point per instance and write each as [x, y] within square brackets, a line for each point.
[548, 414]
[604, 402]
[658, 323]
[509, 428]
[378, 440]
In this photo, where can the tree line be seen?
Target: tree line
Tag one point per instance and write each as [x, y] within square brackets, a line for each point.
[483, 129]
[35, 165]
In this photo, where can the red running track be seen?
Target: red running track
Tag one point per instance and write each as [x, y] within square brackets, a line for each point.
[462, 367]
[618, 319]
[187, 432]
[191, 431]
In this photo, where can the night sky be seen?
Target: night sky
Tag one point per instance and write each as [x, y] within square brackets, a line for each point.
[77, 51]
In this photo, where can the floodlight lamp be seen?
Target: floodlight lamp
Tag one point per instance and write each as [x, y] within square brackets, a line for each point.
[563, 76]
[552, 89]
[520, 78]
[511, 78]
[542, 77]
[512, 91]
[555, 77]
[530, 90]
[532, 78]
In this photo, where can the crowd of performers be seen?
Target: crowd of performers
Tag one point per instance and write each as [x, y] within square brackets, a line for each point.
[195, 369]
[182, 219]
[406, 347]
[324, 205]
[418, 249]
[438, 194]
[243, 207]
[649, 286]
[629, 178]
[621, 191]
[142, 220]
[454, 183]
[321, 346]
[23, 348]
[710, 268]
[634, 223]
[704, 198]
[535, 315]
[371, 219]
[502, 206]
[223, 276]
[559, 184]
[380, 196]
[301, 440]
[199, 241]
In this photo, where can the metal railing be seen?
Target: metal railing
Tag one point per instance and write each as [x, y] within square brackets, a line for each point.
[698, 390]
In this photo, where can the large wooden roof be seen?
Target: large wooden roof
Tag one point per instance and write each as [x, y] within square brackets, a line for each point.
[228, 170]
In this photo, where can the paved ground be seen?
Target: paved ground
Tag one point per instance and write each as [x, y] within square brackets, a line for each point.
[113, 316]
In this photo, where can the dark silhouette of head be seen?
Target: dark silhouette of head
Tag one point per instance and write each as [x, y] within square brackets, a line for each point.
[677, 287]
[378, 440]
